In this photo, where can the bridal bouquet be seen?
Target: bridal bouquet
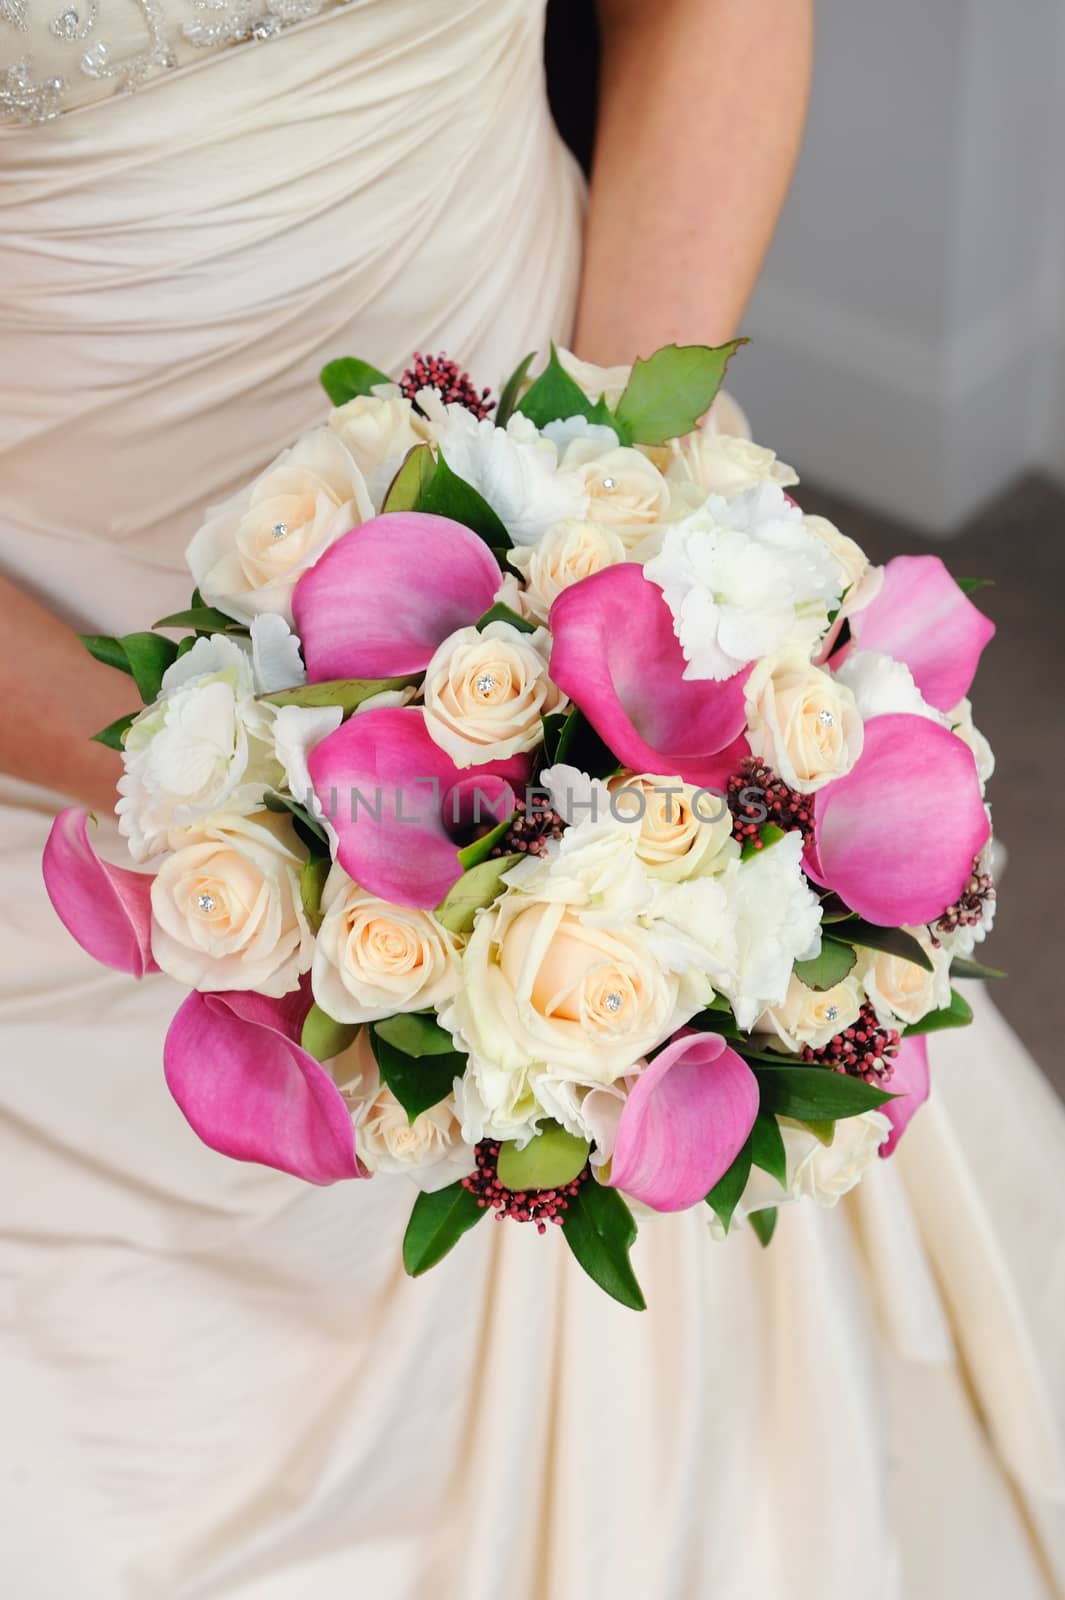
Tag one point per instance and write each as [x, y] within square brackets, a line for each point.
[539, 805]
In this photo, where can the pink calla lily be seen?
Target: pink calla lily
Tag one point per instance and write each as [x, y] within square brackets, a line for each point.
[910, 1084]
[234, 1065]
[922, 618]
[399, 804]
[107, 909]
[380, 600]
[896, 838]
[615, 654]
[686, 1119]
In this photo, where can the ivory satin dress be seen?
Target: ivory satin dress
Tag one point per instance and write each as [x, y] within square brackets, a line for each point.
[215, 1381]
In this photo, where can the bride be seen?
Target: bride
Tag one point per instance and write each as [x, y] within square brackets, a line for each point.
[216, 1382]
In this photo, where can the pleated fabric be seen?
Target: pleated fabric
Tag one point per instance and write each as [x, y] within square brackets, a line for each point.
[216, 1381]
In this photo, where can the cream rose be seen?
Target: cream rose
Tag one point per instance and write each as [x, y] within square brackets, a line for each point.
[682, 830]
[373, 959]
[811, 1016]
[547, 993]
[815, 1171]
[206, 745]
[900, 990]
[486, 691]
[721, 463]
[430, 1150]
[802, 721]
[378, 430]
[569, 552]
[252, 550]
[626, 492]
[960, 721]
[608, 382]
[226, 906]
[862, 580]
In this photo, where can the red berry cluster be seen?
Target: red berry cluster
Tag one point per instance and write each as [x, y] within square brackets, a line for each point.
[529, 831]
[454, 386]
[968, 910]
[865, 1050]
[754, 789]
[527, 1205]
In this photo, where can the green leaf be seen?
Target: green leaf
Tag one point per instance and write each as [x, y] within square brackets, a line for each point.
[347, 693]
[447, 495]
[815, 1094]
[149, 655]
[599, 1229]
[302, 817]
[580, 746]
[829, 968]
[552, 1158]
[764, 1224]
[417, 1082]
[416, 1034]
[725, 1196]
[769, 835]
[555, 396]
[958, 1014]
[963, 967]
[411, 481]
[312, 881]
[668, 393]
[102, 647]
[970, 585]
[202, 619]
[323, 1037]
[476, 888]
[114, 735]
[894, 941]
[471, 855]
[436, 1225]
[767, 1148]
[511, 392]
[825, 1132]
[346, 378]
[501, 613]
[552, 725]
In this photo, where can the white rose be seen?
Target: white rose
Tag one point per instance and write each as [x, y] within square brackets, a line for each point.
[812, 1016]
[720, 463]
[960, 721]
[626, 492]
[252, 550]
[900, 990]
[862, 580]
[226, 906]
[548, 994]
[682, 830]
[569, 552]
[742, 578]
[815, 1171]
[378, 430]
[802, 721]
[206, 745]
[430, 1150]
[373, 959]
[777, 921]
[485, 692]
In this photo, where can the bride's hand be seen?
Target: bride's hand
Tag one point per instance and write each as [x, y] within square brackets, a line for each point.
[53, 698]
[701, 109]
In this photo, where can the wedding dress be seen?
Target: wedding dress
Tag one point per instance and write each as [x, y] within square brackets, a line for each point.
[217, 1383]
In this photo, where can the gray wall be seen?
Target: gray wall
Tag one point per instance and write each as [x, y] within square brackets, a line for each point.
[910, 325]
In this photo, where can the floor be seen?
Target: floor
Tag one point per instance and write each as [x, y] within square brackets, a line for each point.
[1019, 543]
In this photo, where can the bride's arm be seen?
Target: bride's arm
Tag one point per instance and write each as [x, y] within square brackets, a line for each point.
[702, 104]
[53, 698]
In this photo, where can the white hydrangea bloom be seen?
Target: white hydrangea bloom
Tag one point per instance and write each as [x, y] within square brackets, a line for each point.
[743, 577]
[882, 686]
[776, 921]
[514, 468]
